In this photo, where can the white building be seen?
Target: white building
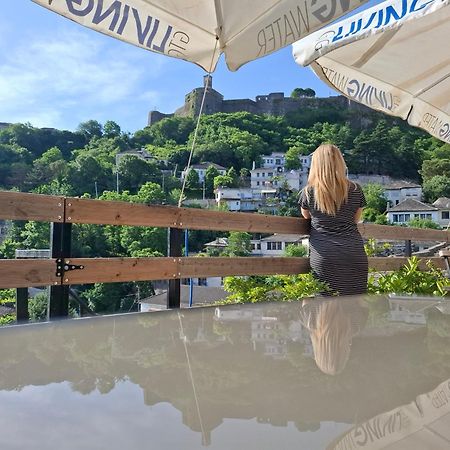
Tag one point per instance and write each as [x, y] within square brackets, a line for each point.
[244, 199]
[276, 161]
[202, 168]
[399, 191]
[443, 205]
[412, 209]
[274, 174]
[276, 244]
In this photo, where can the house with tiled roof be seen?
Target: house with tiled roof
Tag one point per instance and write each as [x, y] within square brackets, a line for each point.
[443, 205]
[412, 209]
[398, 191]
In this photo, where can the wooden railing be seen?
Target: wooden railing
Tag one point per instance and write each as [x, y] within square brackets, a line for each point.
[62, 270]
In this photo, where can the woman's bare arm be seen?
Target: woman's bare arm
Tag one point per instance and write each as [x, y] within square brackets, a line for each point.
[358, 214]
[305, 213]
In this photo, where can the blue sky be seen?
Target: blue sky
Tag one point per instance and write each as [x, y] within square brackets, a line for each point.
[55, 73]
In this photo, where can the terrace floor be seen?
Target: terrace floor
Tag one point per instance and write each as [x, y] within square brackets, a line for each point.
[341, 373]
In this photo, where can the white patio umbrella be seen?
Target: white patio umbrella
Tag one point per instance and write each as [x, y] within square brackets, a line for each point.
[393, 57]
[187, 29]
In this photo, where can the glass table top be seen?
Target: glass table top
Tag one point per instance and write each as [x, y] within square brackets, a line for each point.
[334, 374]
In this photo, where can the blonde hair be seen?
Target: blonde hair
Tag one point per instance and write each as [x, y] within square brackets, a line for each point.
[328, 178]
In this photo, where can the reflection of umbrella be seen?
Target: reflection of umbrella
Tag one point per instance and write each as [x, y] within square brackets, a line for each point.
[187, 29]
[392, 57]
[424, 423]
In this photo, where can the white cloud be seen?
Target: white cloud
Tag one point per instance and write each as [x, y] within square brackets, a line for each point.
[64, 77]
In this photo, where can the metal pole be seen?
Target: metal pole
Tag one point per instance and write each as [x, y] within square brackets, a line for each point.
[61, 245]
[175, 250]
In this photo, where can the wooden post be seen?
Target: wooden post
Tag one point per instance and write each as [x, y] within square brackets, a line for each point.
[61, 244]
[22, 305]
[175, 249]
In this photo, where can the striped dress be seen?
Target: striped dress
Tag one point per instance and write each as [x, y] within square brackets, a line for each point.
[337, 253]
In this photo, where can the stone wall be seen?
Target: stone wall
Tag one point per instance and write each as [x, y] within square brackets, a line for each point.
[274, 103]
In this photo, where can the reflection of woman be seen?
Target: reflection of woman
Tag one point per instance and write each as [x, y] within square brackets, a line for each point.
[334, 205]
[332, 325]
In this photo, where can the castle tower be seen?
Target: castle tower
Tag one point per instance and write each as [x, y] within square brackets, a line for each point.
[207, 81]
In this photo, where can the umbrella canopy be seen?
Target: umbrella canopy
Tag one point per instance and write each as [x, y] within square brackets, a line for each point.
[187, 29]
[392, 57]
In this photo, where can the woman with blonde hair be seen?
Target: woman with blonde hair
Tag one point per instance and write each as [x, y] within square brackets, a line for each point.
[334, 204]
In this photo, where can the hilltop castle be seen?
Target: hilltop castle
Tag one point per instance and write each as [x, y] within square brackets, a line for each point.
[275, 104]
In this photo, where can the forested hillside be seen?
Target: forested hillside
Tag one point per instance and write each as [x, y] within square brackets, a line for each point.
[83, 163]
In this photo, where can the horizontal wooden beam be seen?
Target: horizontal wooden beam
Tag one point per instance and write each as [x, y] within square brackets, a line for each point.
[217, 267]
[42, 272]
[16, 273]
[389, 232]
[102, 212]
[23, 206]
[135, 214]
[386, 264]
[111, 270]
[201, 219]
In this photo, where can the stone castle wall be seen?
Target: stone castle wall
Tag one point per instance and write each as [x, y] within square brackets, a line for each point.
[272, 104]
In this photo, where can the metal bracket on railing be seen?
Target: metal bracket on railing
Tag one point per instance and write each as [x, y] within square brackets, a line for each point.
[63, 266]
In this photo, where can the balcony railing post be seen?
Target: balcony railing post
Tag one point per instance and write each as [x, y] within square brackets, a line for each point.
[61, 246]
[175, 250]
[408, 248]
[22, 305]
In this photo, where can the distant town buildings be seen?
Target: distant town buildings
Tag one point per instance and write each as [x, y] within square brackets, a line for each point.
[202, 168]
[412, 209]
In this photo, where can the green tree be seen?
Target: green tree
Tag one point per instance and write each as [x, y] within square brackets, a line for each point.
[193, 181]
[231, 172]
[434, 167]
[111, 129]
[295, 250]
[89, 129]
[375, 198]
[292, 157]
[223, 181]
[435, 187]
[134, 172]
[211, 173]
[239, 244]
[423, 223]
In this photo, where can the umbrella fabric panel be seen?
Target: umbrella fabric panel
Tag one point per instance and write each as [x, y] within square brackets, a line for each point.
[402, 69]
[187, 29]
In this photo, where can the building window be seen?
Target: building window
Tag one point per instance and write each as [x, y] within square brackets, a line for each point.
[279, 245]
[253, 246]
[257, 183]
[258, 246]
[395, 218]
[278, 161]
[257, 174]
[446, 214]
[425, 216]
[270, 174]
